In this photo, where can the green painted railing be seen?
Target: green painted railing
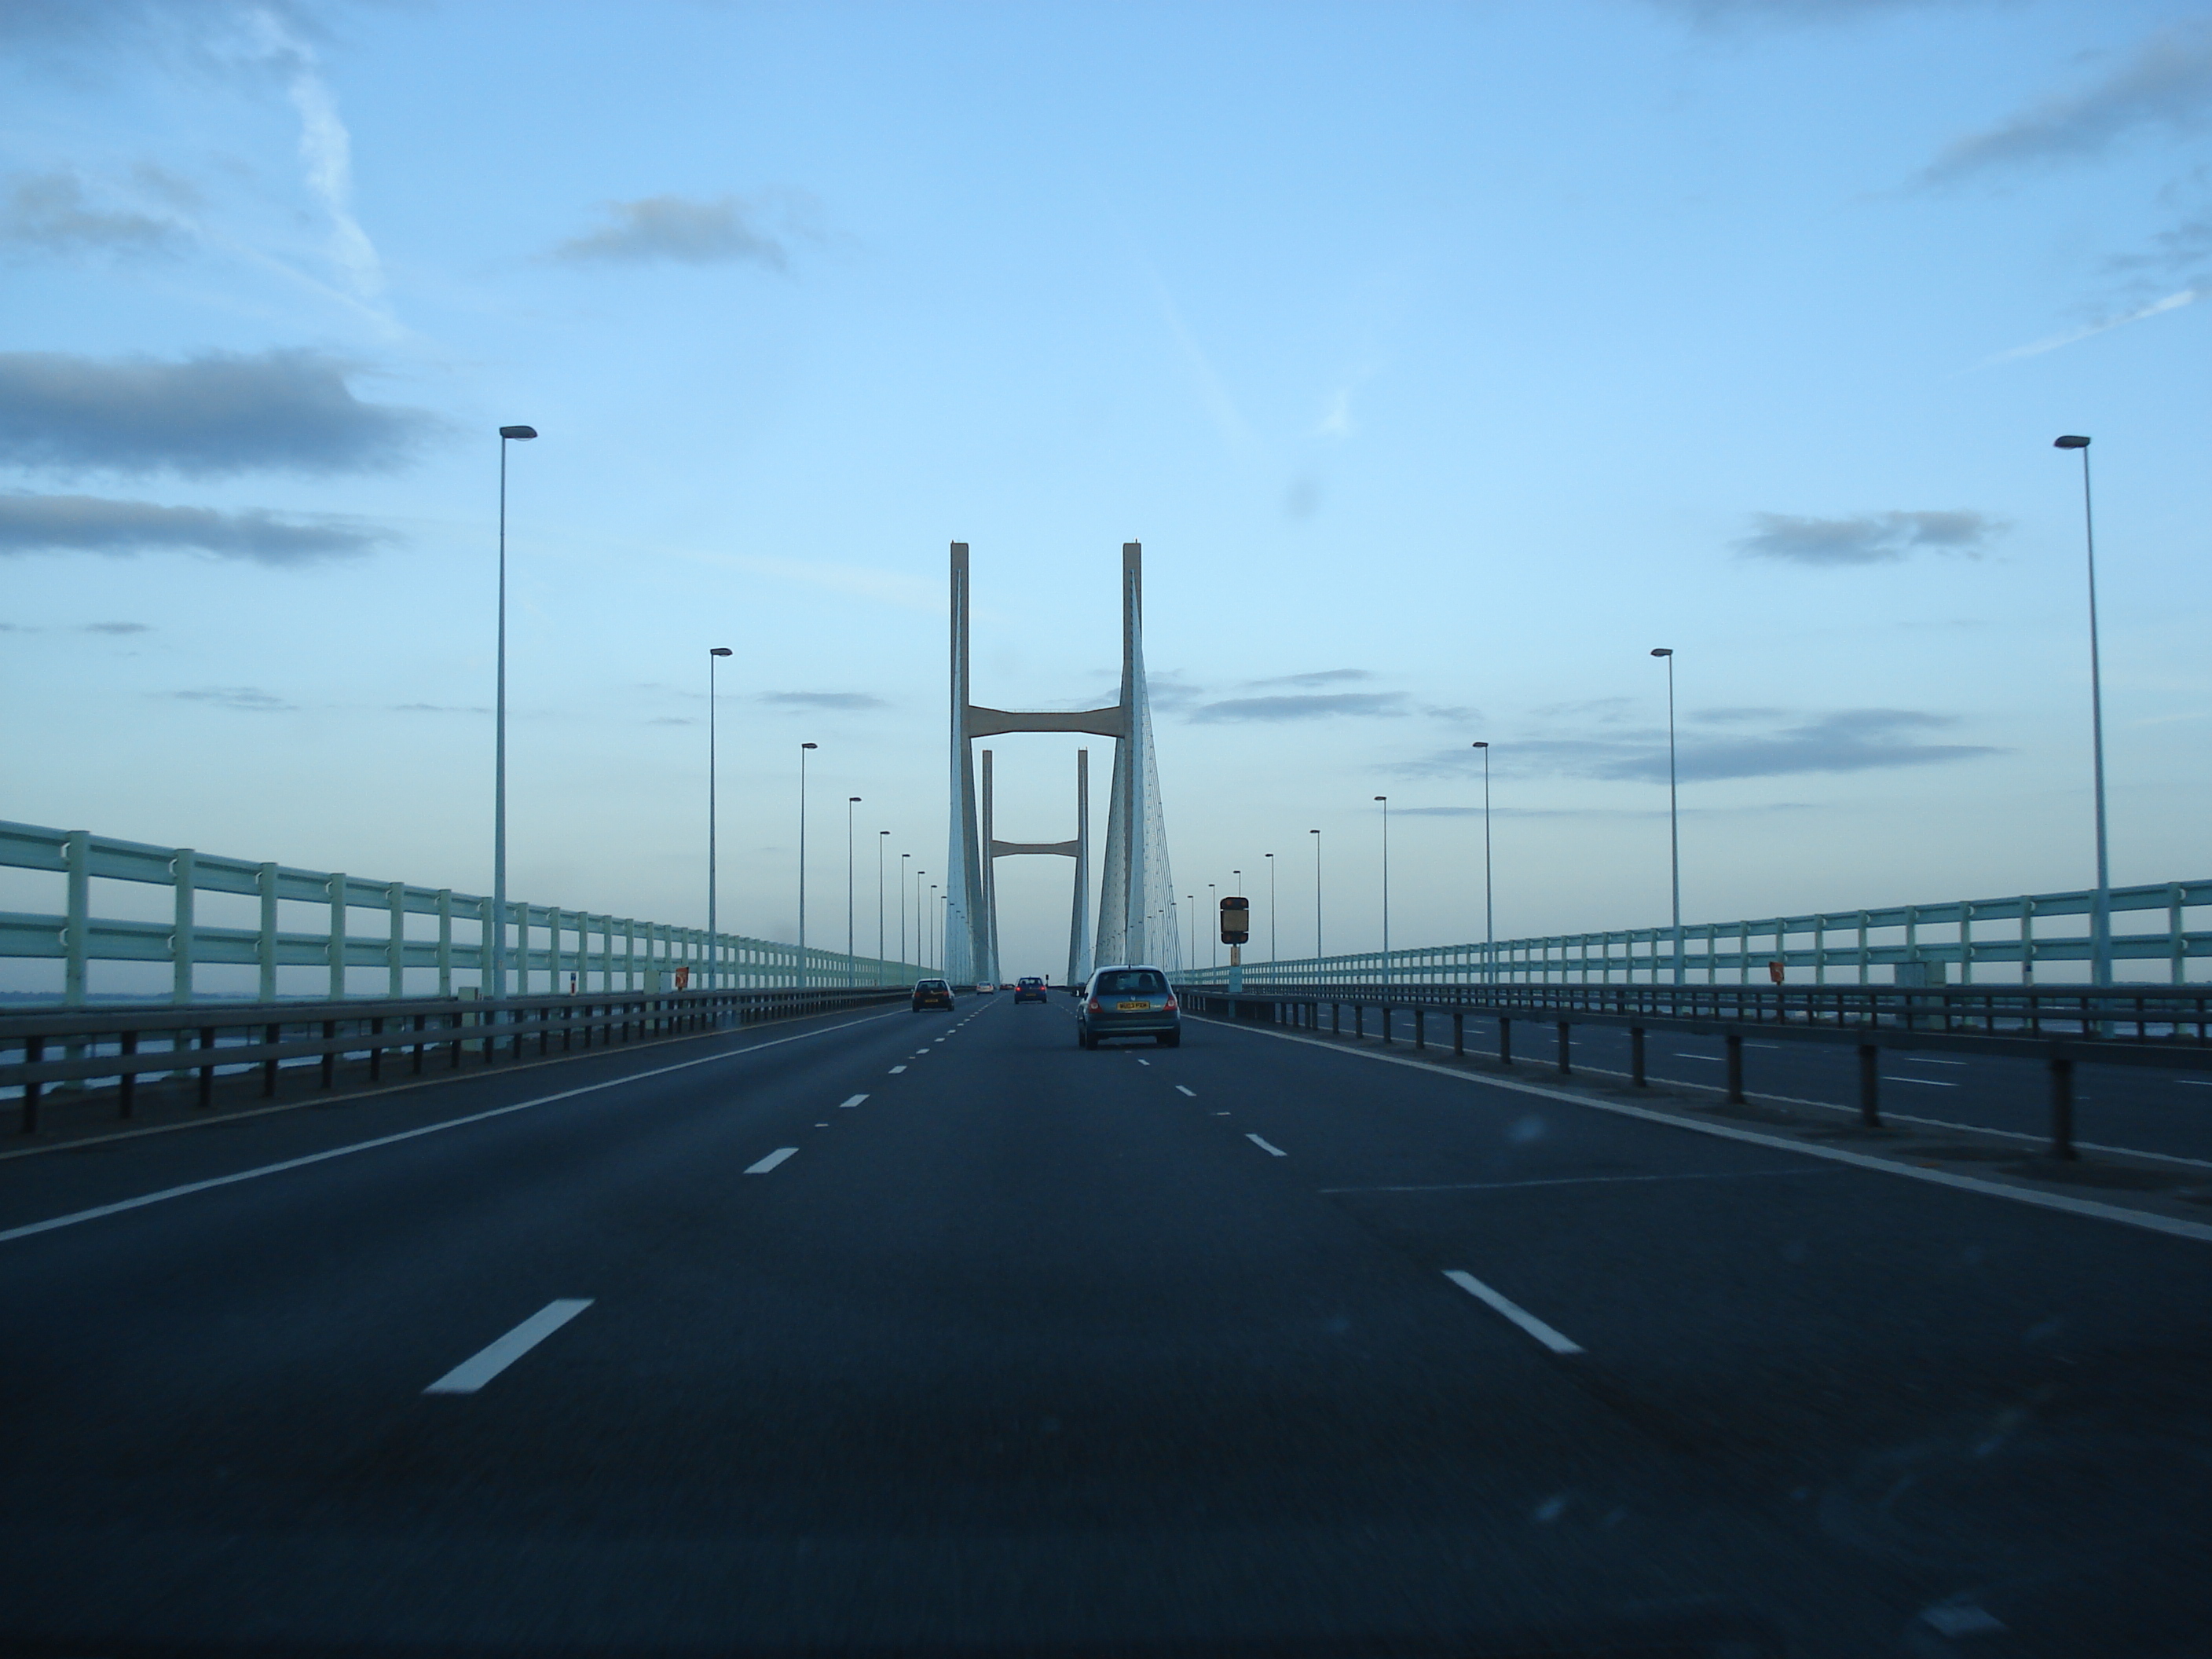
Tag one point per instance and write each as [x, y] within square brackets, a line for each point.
[387, 931]
[1898, 945]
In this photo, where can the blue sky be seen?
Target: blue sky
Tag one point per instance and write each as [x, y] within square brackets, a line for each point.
[1445, 359]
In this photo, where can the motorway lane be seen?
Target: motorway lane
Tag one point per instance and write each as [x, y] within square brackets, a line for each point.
[1033, 1344]
[2144, 1109]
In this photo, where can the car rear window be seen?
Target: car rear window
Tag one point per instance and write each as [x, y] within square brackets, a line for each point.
[1142, 981]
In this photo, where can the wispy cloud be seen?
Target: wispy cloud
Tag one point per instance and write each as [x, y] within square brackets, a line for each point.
[1212, 392]
[897, 588]
[1795, 11]
[1319, 676]
[248, 699]
[120, 528]
[1365, 705]
[653, 228]
[2068, 336]
[843, 703]
[114, 628]
[2166, 84]
[50, 214]
[92, 524]
[325, 148]
[287, 410]
[437, 708]
[1868, 538]
[1846, 740]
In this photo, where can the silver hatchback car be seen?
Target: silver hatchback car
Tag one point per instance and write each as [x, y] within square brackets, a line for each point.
[1129, 1001]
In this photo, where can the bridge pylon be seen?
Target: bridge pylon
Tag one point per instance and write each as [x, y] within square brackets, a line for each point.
[1136, 899]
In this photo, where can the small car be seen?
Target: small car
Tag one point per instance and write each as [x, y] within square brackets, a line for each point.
[932, 994]
[1130, 1001]
[1030, 988]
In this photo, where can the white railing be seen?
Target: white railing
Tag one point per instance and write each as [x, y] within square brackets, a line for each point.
[382, 930]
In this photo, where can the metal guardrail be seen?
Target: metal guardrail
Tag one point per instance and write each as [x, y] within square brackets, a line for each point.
[2060, 1026]
[122, 1045]
[1932, 944]
[621, 954]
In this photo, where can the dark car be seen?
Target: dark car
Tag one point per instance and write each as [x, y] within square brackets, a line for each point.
[932, 994]
[1029, 989]
[1131, 1001]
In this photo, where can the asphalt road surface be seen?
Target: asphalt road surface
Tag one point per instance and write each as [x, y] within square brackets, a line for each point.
[925, 1333]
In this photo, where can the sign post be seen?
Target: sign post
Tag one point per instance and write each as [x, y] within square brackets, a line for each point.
[1235, 933]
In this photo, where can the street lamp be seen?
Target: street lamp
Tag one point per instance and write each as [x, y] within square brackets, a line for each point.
[935, 933]
[882, 840]
[920, 937]
[1213, 924]
[1489, 916]
[714, 950]
[803, 963]
[851, 973]
[1271, 916]
[1385, 800]
[507, 434]
[2100, 909]
[1674, 810]
[1316, 834]
[903, 963]
[1191, 899]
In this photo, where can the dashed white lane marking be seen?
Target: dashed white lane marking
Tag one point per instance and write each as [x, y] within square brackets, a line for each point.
[2193, 1082]
[1679, 1054]
[1265, 1146]
[896, 1069]
[1916, 1060]
[1924, 1082]
[1193, 1093]
[940, 1039]
[1520, 1316]
[122, 1205]
[855, 1101]
[480, 1368]
[1144, 1062]
[772, 1160]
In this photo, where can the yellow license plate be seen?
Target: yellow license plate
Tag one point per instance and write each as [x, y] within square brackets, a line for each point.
[1133, 1007]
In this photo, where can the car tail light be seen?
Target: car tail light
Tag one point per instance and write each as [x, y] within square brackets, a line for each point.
[1091, 1007]
[1169, 1007]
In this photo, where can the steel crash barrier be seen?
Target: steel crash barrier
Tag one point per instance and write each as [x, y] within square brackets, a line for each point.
[2061, 1027]
[122, 1045]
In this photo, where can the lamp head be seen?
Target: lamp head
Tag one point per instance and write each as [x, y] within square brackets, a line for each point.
[517, 432]
[717, 651]
[1479, 745]
[851, 800]
[809, 746]
[2070, 441]
[1662, 651]
[1382, 797]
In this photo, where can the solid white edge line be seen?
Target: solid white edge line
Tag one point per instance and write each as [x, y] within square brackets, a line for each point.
[855, 1101]
[2174, 1226]
[1520, 1316]
[772, 1160]
[480, 1368]
[1193, 1093]
[1265, 1146]
[167, 1193]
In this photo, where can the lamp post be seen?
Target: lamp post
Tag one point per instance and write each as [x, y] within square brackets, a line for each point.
[903, 963]
[1271, 916]
[882, 840]
[498, 930]
[1385, 800]
[1673, 810]
[1191, 899]
[920, 935]
[803, 964]
[1316, 834]
[852, 971]
[1213, 924]
[1489, 916]
[935, 932]
[2101, 909]
[714, 950]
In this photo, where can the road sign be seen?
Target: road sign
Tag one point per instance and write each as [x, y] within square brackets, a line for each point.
[1235, 920]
